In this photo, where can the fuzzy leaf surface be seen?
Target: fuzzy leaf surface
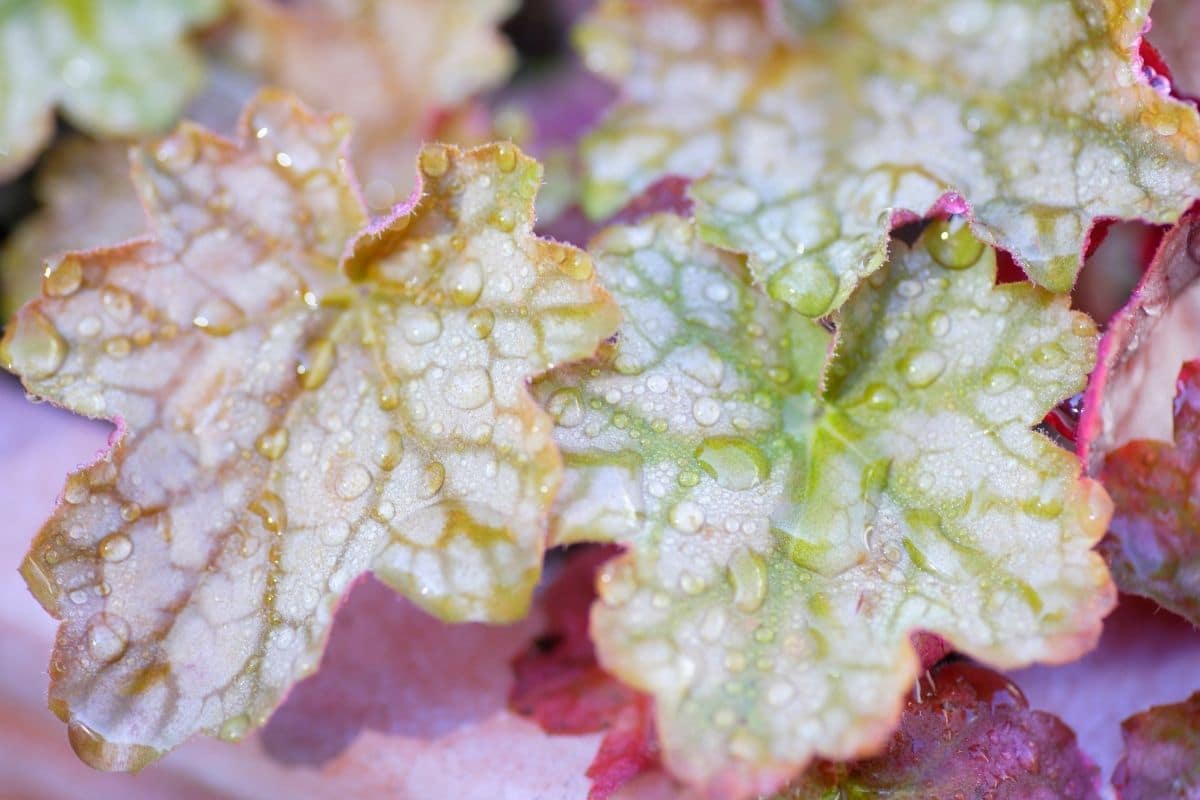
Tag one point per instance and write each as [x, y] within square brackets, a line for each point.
[299, 400]
[115, 67]
[1162, 753]
[1033, 117]
[786, 534]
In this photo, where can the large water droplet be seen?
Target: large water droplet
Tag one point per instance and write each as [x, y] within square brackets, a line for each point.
[63, 278]
[468, 388]
[808, 286]
[922, 369]
[706, 411]
[352, 480]
[735, 463]
[34, 349]
[421, 326]
[952, 244]
[115, 547]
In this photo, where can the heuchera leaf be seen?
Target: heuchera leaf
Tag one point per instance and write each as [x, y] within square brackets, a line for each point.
[1144, 344]
[1032, 118]
[966, 732]
[785, 539]
[87, 201]
[1153, 543]
[297, 402]
[1162, 753]
[116, 68]
[391, 65]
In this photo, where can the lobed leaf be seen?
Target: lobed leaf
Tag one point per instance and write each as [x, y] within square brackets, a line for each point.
[1032, 118]
[1153, 543]
[115, 67]
[298, 400]
[391, 65]
[1162, 753]
[87, 201]
[786, 537]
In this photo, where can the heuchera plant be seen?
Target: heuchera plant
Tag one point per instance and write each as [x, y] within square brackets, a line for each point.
[799, 417]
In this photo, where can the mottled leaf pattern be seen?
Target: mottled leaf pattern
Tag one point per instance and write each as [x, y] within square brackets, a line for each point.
[785, 540]
[116, 67]
[298, 402]
[1032, 116]
[1162, 753]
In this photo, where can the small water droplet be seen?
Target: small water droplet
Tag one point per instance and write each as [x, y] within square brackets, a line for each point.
[999, 379]
[131, 512]
[421, 326]
[466, 283]
[389, 450]
[273, 443]
[435, 160]
[316, 363]
[385, 511]
[939, 323]
[809, 288]
[748, 574]
[432, 479]
[706, 411]
[482, 321]
[686, 516]
[1049, 355]
[506, 157]
[566, 406]
[352, 480]
[269, 507]
[881, 397]
[107, 637]
[234, 729]
[735, 463]
[117, 304]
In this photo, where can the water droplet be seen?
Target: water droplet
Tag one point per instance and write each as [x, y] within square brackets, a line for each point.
[89, 326]
[939, 323]
[1083, 325]
[482, 321]
[107, 637]
[748, 574]
[432, 479]
[881, 397]
[1049, 355]
[176, 153]
[717, 291]
[577, 265]
[273, 443]
[388, 395]
[316, 363]
[466, 283]
[271, 510]
[435, 160]
[922, 369]
[706, 411]
[234, 728]
[63, 278]
[504, 219]
[217, 317]
[352, 480]
[468, 388]
[34, 349]
[385, 511]
[735, 463]
[686, 516]
[566, 406]
[998, 380]
[117, 304]
[952, 244]
[389, 450]
[506, 157]
[421, 326]
[809, 287]
[131, 512]
[335, 532]
[118, 347]
[115, 547]
[76, 490]
[908, 288]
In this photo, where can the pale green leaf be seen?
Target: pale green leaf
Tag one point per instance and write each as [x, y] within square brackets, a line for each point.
[807, 150]
[785, 541]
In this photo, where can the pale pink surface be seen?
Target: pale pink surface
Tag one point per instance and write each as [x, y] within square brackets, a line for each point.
[418, 709]
[405, 707]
